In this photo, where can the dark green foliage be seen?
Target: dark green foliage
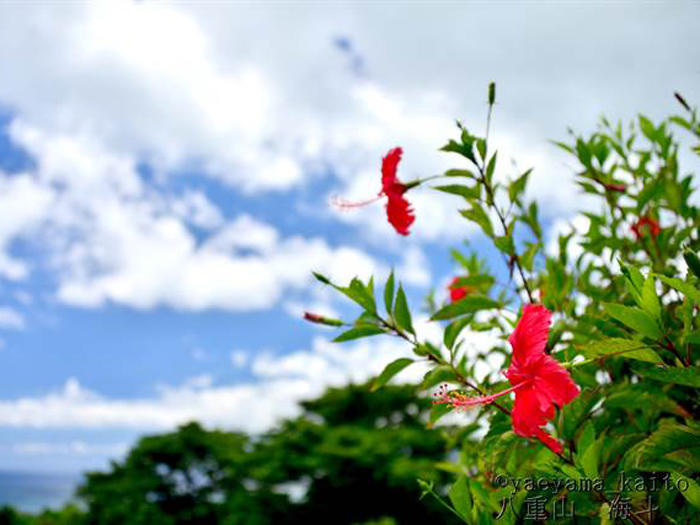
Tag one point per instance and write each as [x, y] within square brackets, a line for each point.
[352, 457]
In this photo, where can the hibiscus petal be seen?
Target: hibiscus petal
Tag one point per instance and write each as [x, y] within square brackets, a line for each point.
[530, 335]
[546, 438]
[527, 413]
[399, 213]
[554, 381]
[389, 165]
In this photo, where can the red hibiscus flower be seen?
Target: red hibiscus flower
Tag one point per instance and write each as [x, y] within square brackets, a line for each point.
[398, 209]
[639, 227]
[458, 293]
[538, 380]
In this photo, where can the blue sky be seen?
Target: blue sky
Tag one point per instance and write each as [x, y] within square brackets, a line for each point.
[166, 172]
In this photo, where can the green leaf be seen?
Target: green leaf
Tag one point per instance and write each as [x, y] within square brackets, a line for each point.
[475, 280]
[460, 173]
[688, 376]
[460, 497]
[358, 332]
[505, 244]
[692, 494]
[390, 371]
[359, 293]
[692, 261]
[668, 438]
[528, 256]
[491, 167]
[439, 374]
[693, 338]
[589, 459]
[634, 281]
[473, 192]
[647, 128]
[481, 147]
[516, 188]
[453, 330]
[688, 290]
[467, 305]
[402, 314]
[614, 347]
[461, 149]
[437, 411]
[654, 401]
[479, 216]
[389, 294]
[649, 300]
[586, 439]
[634, 318]
[321, 277]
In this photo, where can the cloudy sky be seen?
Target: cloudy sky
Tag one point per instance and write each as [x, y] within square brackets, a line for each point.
[166, 169]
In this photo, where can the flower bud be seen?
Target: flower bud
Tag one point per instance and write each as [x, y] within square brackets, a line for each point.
[320, 319]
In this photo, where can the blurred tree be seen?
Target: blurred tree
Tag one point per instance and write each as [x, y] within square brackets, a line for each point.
[352, 456]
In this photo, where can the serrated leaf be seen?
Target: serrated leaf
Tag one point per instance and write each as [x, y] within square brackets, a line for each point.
[649, 300]
[634, 318]
[688, 376]
[389, 294]
[402, 315]
[358, 332]
[617, 347]
[687, 289]
[390, 371]
[634, 281]
[468, 305]
[641, 396]
[668, 438]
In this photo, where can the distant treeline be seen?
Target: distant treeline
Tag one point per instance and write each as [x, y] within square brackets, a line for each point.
[351, 457]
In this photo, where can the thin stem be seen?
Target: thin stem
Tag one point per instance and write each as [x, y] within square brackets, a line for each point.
[492, 202]
[446, 505]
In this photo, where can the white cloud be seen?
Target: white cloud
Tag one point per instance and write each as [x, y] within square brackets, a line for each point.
[111, 237]
[281, 382]
[189, 91]
[24, 205]
[11, 318]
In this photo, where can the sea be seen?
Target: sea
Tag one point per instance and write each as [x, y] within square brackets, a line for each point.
[34, 491]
